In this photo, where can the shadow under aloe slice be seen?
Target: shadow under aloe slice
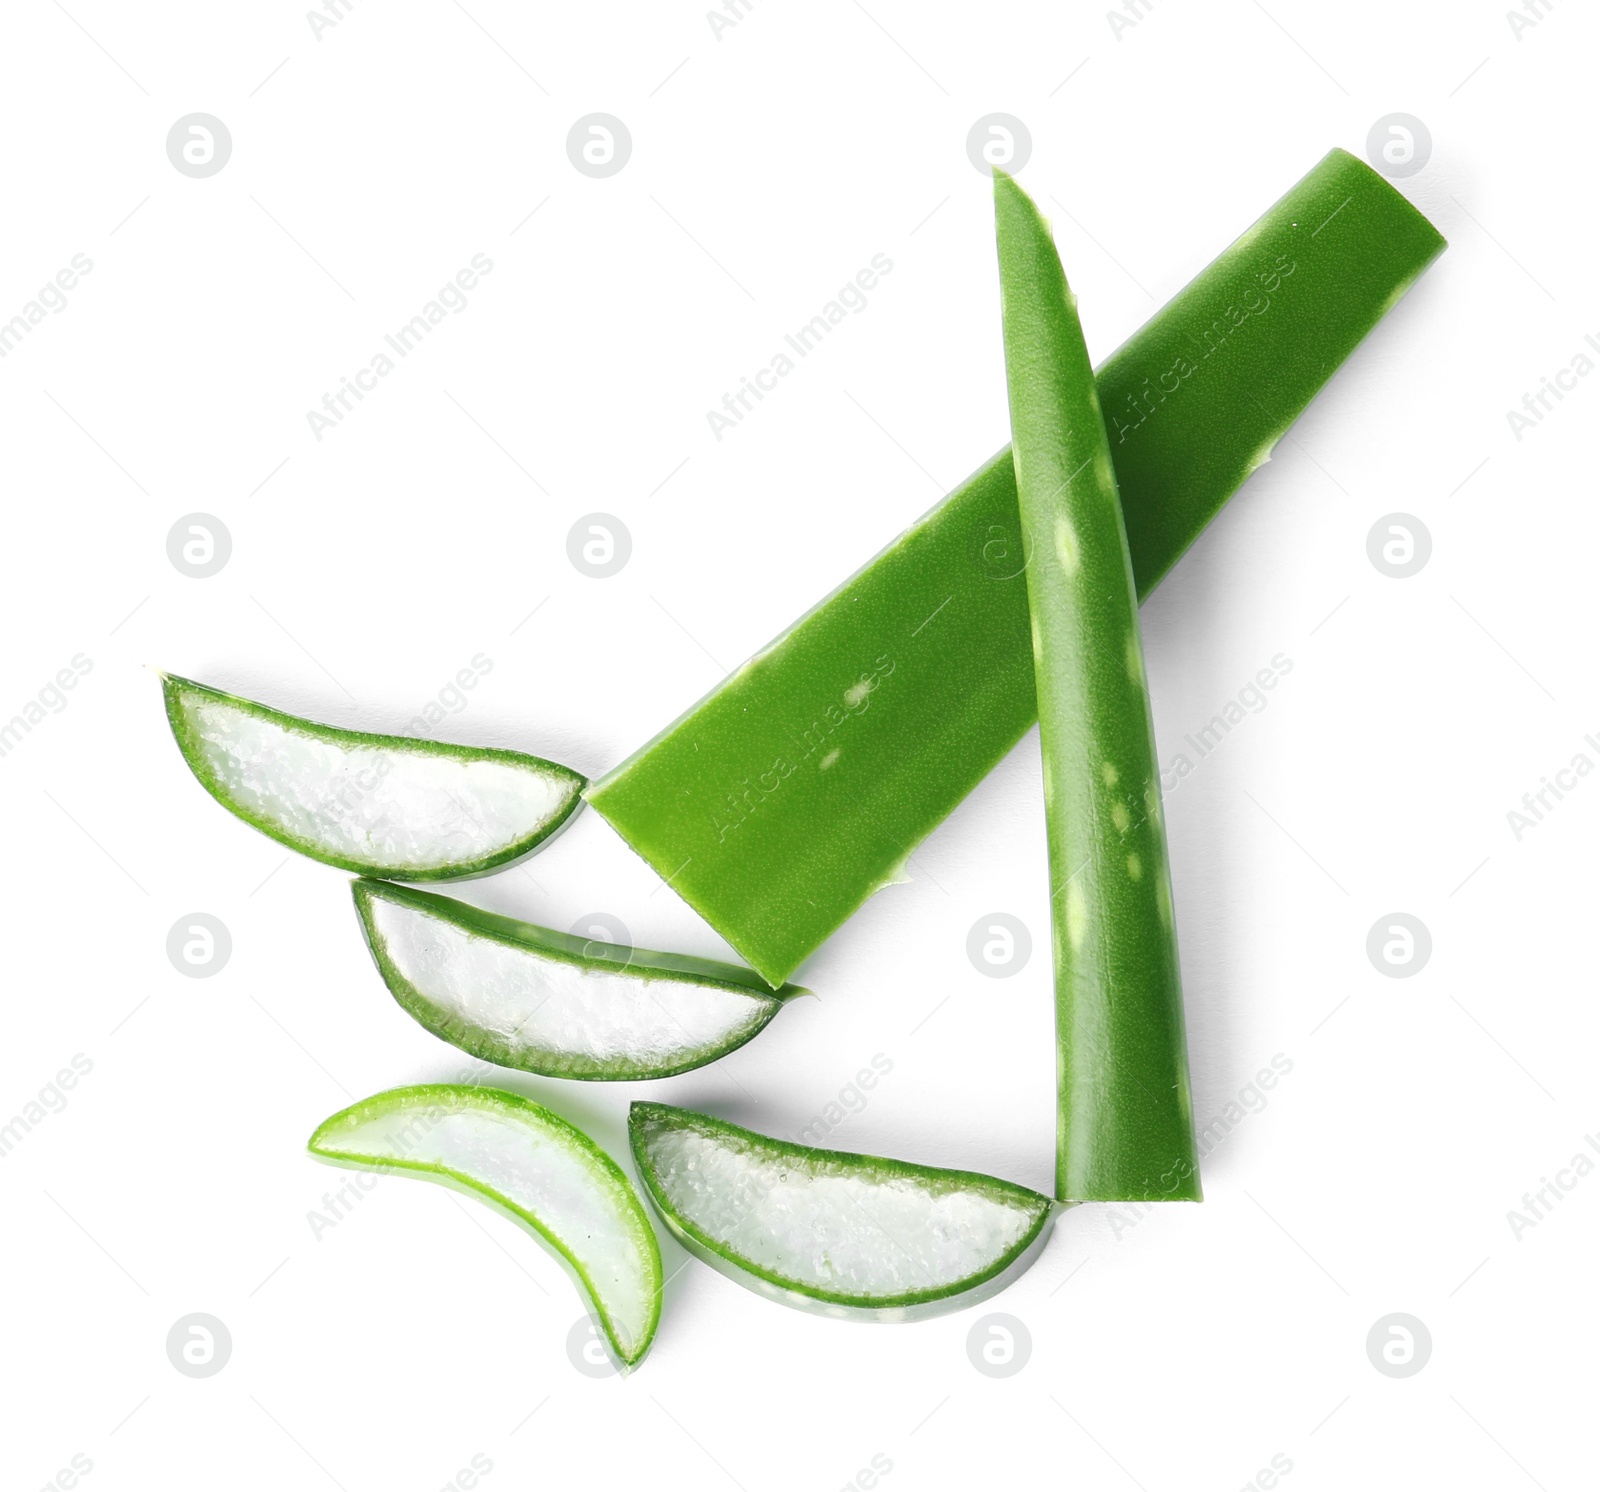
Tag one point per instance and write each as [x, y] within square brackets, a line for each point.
[543, 1001]
[801, 785]
[859, 1237]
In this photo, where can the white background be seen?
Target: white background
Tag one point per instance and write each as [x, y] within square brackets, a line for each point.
[1183, 1349]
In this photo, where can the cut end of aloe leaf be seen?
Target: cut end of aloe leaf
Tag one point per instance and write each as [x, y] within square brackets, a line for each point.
[853, 1236]
[547, 1002]
[375, 804]
[534, 1167]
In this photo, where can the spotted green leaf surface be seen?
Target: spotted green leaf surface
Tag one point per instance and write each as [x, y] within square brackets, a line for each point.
[530, 1165]
[548, 1002]
[1125, 1130]
[379, 805]
[802, 783]
[854, 1236]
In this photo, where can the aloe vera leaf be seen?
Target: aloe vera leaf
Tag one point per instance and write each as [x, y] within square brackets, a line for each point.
[547, 1002]
[534, 1167]
[801, 785]
[854, 1236]
[378, 805]
[1125, 1126]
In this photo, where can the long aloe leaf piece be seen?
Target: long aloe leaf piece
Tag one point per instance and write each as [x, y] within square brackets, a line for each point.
[801, 785]
[1125, 1129]
[531, 1165]
[855, 1236]
[377, 805]
[547, 1002]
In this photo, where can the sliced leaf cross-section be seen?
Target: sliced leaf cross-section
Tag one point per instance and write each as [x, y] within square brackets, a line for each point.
[854, 1236]
[531, 1165]
[548, 1002]
[378, 805]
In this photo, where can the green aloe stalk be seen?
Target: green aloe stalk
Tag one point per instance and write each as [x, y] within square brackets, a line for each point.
[801, 784]
[1125, 1128]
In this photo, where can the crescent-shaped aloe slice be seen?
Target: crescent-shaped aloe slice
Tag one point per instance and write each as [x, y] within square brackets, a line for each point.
[547, 1002]
[1125, 1126]
[531, 1165]
[855, 1236]
[377, 805]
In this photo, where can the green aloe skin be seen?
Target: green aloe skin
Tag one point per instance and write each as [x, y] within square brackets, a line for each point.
[801, 785]
[532, 1166]
[543, 1001]
[1125, 1128]
[858, 1237]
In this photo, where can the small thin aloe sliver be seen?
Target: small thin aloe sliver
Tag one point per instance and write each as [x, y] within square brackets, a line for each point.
[378, 805]
[543, 1001]
[1125, 1130]
[860, 1237]
[531, 1165]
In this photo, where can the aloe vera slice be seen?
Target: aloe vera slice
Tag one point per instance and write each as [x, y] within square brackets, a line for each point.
[378, 805]
[1125, 1127]
[531, 1165]
[547, 1002]
[855, 1236]
[801, 785]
